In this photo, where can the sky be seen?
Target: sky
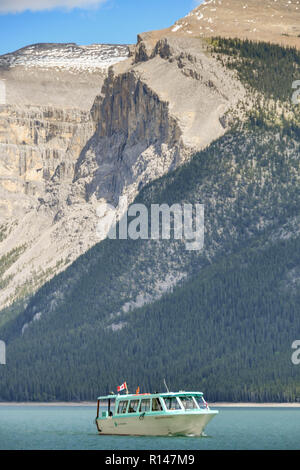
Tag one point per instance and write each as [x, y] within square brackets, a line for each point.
[24, 22]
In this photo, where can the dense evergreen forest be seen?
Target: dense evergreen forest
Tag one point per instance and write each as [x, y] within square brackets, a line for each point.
[266, 68]
[228, 331]
[227, 327]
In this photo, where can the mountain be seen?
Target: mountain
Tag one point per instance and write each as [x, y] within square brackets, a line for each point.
[59, 75]
[74, 136]
[183, 119]
[226, 328]
[70, 151]
[275, 21]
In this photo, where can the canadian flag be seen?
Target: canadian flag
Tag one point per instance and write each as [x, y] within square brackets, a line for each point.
[122, 387]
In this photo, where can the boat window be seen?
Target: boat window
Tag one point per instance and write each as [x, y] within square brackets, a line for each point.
[172, 403]
[103, 404]
[145, 405]
[188, 403]
[122, 407]
[200, 401]
[156, 406]
[133, 406]
[107, 404]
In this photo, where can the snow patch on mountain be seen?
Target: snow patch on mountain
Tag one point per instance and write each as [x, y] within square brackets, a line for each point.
[66, 56]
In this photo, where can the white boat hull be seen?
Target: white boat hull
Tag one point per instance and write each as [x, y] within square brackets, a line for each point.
[188, 424]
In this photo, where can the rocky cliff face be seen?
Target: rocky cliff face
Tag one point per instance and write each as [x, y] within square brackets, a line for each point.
[34, 142]
[136, 140]
[45, 123]
[147, 126]
[59, 163]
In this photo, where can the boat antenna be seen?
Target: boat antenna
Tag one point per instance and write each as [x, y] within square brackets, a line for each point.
[166, 386]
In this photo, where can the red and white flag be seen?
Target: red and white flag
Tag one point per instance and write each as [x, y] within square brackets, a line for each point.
[122, 387]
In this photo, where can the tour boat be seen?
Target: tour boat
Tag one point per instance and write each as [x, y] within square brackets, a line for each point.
[153, 414]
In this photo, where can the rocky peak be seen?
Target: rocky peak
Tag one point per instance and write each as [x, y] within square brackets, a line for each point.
[276, 21]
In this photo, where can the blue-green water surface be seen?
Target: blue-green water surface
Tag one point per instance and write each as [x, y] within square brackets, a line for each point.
[72, 427]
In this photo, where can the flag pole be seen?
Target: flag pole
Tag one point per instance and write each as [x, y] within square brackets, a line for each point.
[126, 388]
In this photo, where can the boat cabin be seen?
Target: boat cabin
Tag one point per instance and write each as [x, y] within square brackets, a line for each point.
[141, 404]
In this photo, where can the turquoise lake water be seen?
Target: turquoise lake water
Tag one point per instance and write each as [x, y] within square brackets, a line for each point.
[68, 427]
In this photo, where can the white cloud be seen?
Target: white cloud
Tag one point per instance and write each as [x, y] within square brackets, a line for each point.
[17, 6]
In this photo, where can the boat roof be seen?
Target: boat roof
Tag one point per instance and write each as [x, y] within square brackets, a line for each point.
[149, 395]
